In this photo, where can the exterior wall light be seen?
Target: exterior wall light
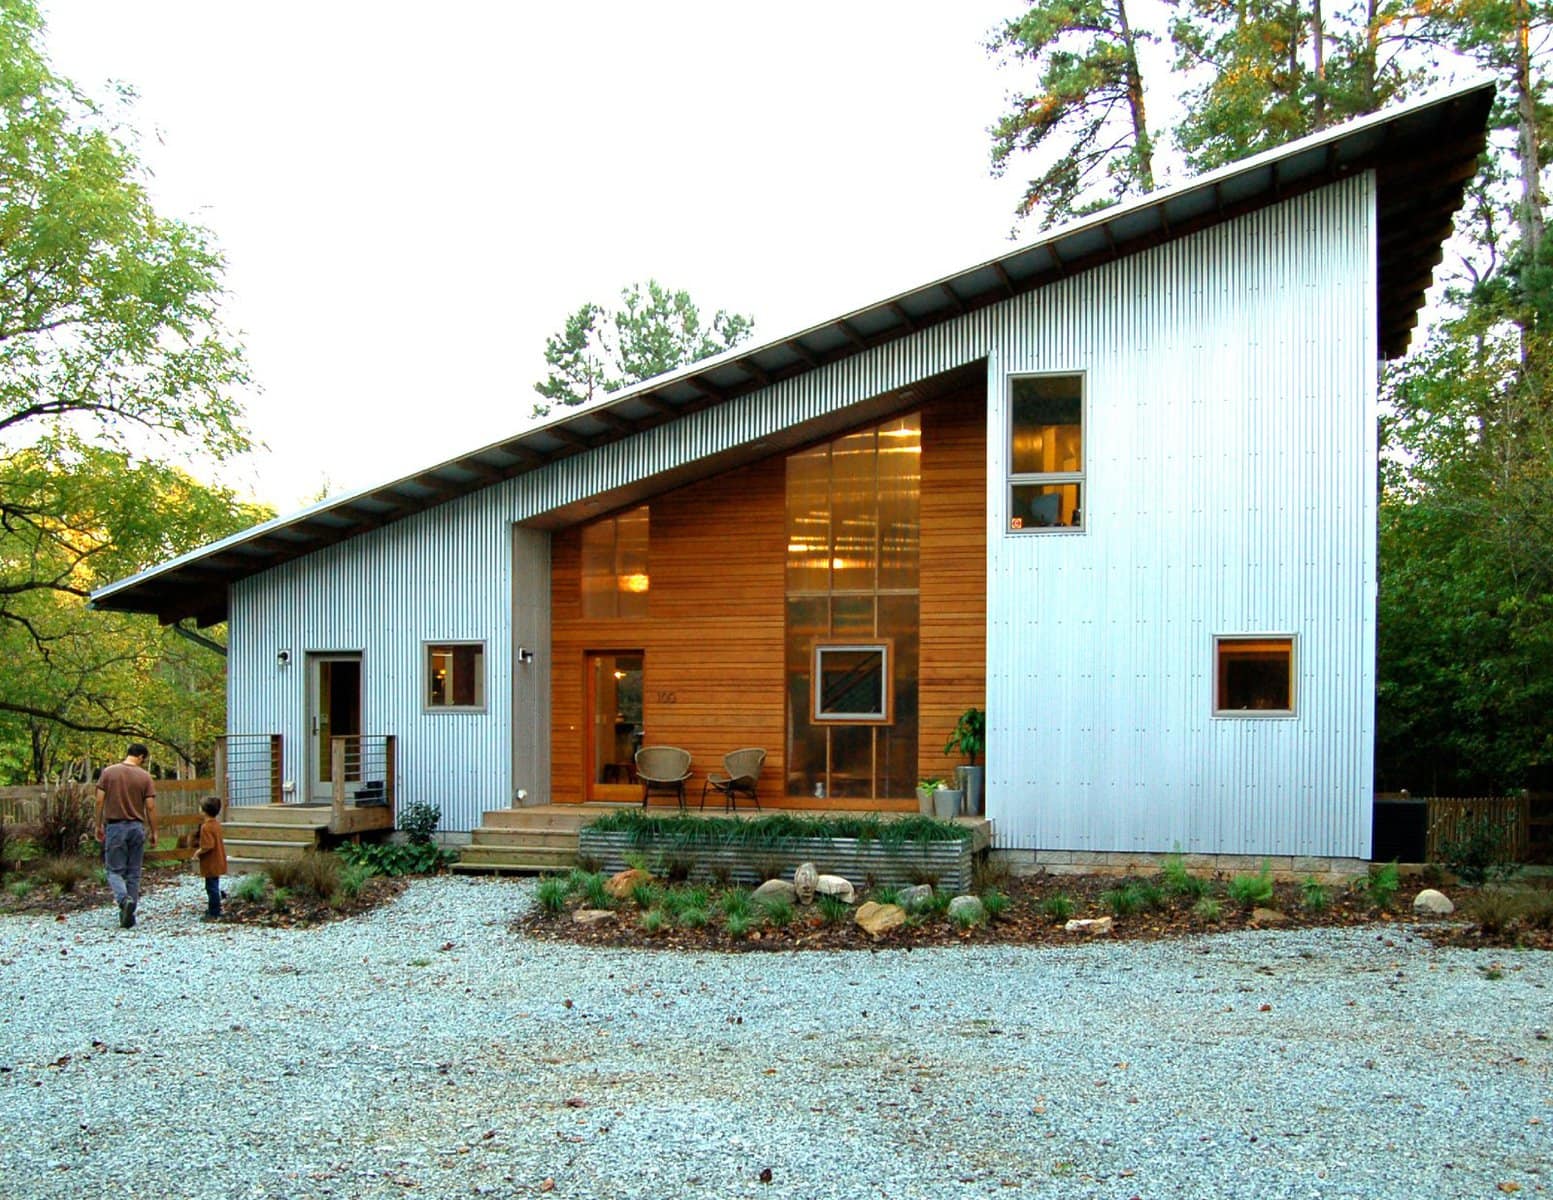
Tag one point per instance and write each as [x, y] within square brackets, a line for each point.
[283, 658]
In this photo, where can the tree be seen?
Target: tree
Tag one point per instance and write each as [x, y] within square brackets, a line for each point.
[109, 331]
[1088, 116]
[654, 330]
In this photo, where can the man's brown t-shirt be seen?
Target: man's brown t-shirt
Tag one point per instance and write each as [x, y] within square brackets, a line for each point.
[125, 789]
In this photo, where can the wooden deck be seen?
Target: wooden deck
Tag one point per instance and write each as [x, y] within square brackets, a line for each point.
[542, 838]
[257, 834]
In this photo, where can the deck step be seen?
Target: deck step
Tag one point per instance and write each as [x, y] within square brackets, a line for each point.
[540, 858]
[558, 839]
[313, 816]
[246, 832]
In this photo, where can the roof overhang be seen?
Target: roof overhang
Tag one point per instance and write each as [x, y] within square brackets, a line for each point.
[1423, 154]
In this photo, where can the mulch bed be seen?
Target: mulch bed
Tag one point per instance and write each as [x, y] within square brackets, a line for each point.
[1022, 923]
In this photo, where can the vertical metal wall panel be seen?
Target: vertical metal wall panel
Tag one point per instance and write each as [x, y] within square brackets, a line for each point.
[1229, 488]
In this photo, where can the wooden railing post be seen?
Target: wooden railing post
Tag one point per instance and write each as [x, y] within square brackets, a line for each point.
[337, 777]
[390, 779]
[276, 795]
[223, 790]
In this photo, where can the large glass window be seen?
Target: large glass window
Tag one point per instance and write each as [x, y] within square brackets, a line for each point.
[1045, 452]
[1255, 676]
[853, 548]
[614, 566]
[455, 675]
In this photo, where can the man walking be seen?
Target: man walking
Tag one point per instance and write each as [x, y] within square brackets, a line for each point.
[126, 817]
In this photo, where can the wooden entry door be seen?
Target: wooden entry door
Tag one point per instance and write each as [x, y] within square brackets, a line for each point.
[613, 695]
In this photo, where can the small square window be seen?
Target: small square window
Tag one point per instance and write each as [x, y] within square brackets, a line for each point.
[1255, 676]
[852, 682]
[1045, 452]
[455, 675]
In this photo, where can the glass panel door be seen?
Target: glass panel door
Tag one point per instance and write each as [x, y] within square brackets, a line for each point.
[614, 724]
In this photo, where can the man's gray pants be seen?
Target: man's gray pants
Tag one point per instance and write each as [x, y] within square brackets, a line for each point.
[123, 846]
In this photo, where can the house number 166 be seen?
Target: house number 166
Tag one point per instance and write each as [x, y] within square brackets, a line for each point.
[667, 698]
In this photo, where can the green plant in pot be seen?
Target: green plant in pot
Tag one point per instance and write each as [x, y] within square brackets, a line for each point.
[925, 790]
[968, 738]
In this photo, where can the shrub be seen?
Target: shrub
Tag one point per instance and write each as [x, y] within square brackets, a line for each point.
[647, 895]
[6, 840]
[280, 899]
[691, 917]
[1381, 885]
[770, 867]
[888, 895]
[389, 858]
[551, 894]
[939, 902]
[595, 892]
[737, 924]
[988, 873]
[250, 888]
[590, 862]
[1495, 909]
[353, 879]
[995, 903]
[1058, 907]
[1250, 890]
[1313, 894]
[833, 910]
[312, 872]
[779, 912]
[65, 872]
[1481, 854]
[652, 920]
[1149, 895]
[697, 897]
[722, 874]
[737, 903]
[967, 917]
[678, 867]
[419, 821]
[1208, 908]
[1131, 898]
[65, 819]
[1178, 881]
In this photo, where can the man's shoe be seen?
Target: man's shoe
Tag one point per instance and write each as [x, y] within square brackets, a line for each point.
[126, 914]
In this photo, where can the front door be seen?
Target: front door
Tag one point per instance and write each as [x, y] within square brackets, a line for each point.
[613, 723]
[334, 710]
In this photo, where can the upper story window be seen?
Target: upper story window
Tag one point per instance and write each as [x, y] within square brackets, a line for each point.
[455, 675]
[1255, 676]
[614, 566]
[1045, 452]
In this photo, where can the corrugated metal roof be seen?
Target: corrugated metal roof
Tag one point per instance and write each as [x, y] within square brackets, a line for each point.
[1423, 153]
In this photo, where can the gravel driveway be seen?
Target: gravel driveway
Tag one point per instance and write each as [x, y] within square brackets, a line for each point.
[425, 1050]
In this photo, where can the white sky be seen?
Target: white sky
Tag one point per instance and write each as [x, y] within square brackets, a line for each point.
[412, 197]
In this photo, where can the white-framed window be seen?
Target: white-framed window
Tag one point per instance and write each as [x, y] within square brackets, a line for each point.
[852, 682]
[1254, 675]
[1045, 453]
[455, 676]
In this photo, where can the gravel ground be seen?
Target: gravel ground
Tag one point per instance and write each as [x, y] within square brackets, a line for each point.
[427, 1050]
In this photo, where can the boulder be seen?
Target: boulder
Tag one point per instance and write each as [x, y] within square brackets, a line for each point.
[622, 885]
[592, 916]
[805, 878]
[915, 899]
[967, 910]
[880, 918]
[1435, 904]
[835, 885]
[775, 889]
[1268, 916]
[1090, 925]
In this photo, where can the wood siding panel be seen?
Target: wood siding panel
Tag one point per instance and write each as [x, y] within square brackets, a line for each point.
[953, 668]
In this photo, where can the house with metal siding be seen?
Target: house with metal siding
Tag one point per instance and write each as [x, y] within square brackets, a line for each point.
[1118, 487]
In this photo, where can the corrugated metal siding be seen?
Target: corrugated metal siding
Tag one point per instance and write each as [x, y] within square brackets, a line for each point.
[1230, 488]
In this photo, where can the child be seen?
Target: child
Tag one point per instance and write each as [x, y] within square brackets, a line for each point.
[211, 857]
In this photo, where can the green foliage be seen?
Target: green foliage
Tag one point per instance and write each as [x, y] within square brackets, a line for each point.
[1313, 894]
[313, 872]
[1085, 120]
[778, 911]
[835, 912]
[691, 916]
[394, 859]
[1123, 901]
[647, 895]
[994, 902]
[419, 822]
[773, 832]
[64, 872]
[1208, 908]
[967, 917]
[1248, 891]
[737, 902]
[1381, 885]
[1178, 881]
[251, 888]
[1481, 854]
[653, 920]
[21, 888]
[596, 892]
[887, 895]
[737, 924]
[353, 878]
[654, 330]
[969, 736]
[1058, 907]
[551, 894]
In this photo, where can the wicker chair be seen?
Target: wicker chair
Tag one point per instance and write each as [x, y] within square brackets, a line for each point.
[743, 771]
[664, 769]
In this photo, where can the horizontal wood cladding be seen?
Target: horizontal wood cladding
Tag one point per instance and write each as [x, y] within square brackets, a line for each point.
[713, 642]
[953, 665]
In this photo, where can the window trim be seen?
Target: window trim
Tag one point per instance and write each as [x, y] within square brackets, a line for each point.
[1260, 714]
[427, 707]
[886, 647]
[1013, 479]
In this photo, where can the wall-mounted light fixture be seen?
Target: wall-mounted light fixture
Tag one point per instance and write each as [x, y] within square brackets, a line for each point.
[283, 658]
[525, 655]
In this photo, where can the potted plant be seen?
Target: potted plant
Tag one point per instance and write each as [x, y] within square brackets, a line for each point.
[925, 790]
[946, 801]
[969, 738]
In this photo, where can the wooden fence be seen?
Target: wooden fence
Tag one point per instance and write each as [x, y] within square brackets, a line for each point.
[174, 798]
[1455, 818]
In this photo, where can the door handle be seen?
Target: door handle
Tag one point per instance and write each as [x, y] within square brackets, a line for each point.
[315, 726]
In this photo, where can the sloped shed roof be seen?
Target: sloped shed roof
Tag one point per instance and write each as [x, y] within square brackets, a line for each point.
[1424, 154]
